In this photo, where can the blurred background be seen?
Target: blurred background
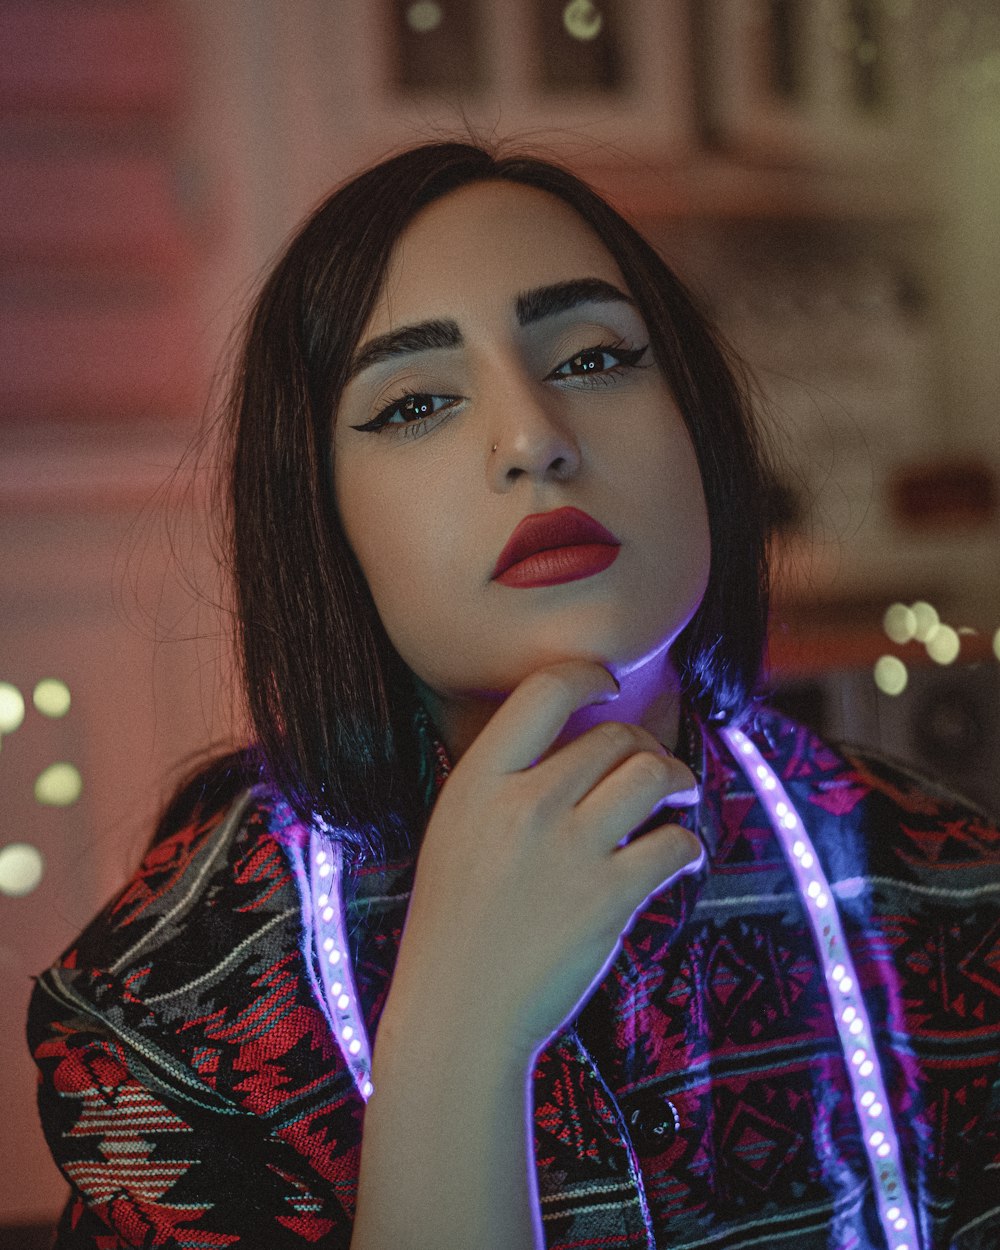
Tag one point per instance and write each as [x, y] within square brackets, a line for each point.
[825, 173]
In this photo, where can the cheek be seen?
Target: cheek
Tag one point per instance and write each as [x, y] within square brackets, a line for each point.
[400, 538]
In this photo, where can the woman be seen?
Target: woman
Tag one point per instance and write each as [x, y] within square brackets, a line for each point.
[498, 544]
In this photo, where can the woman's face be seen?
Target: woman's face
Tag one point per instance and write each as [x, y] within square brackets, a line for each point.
[505, 374]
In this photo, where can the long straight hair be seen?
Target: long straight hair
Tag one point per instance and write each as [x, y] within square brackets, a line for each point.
[332, 705]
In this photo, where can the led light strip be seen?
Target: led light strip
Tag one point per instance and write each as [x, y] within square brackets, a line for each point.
[320, 881]
[861, 1058]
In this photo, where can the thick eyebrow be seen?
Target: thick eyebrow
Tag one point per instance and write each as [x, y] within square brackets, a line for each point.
[422, 337]
[530, 306]
[548, 301]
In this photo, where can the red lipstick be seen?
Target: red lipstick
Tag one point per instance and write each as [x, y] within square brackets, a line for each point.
[549, 548]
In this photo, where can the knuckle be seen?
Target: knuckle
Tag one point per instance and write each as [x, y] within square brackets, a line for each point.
[652, 769]
[617, 735]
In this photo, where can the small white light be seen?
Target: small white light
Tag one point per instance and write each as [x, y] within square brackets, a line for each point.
[21, 869]
[328, 914]
[899, 1224]
[52, 698]
[798, 849]
[875, 1109]
[367, 1089]
[944, 645]
[321, 857]
[334, 956]
[857, 1026]
[807, 860]
[347, 1033]
[866, 1069]
[328, 944]
[877, 1138]
[884, 1150]
[899, 622]
[325, 870]
[867, 1098]
[845, 985]
[354, 1047]
[848, 1014]
[59, 785]
[822, 900]
[343, 1001]
[781, 809]
[838, 971]
[335, 988]
[770, 783]
[858, 1056]
[813, 889]
[11, 707]
[790, 821]
[762, 772]
[424, 16]
[890, 675]
[893, 1213]
[323, 900]
[746, 747]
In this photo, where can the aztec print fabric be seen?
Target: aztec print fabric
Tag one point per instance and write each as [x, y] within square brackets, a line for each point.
[193, 1095]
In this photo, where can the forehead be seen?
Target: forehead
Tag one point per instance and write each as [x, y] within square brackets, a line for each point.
[472, 251]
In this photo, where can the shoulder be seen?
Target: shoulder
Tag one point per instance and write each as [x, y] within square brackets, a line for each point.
[879, 812]
[212, 905]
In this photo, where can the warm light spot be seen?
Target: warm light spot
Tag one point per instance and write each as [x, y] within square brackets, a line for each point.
[51, 697]
[944, 645]
[424, 16]
[996, 644]
[58, 786]
[11, 707]
[927, 620]
[21, 869]
[890, 675]
[582, 19]
[899, 622]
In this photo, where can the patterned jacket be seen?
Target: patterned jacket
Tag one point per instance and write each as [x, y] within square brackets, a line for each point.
[193, 1095]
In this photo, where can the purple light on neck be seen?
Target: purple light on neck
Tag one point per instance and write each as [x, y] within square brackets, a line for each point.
[878, 1133]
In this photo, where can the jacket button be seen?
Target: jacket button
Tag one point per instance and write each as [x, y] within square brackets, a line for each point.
[653, 1123]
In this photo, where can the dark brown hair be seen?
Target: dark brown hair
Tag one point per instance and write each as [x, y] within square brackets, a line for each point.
[332, 705]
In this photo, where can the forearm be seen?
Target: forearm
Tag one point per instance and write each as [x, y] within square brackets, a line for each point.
[446, 1158]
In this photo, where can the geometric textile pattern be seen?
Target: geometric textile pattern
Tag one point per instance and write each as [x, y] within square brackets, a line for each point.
[193, 1095]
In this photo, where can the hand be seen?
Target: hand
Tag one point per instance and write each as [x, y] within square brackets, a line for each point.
[522, 891]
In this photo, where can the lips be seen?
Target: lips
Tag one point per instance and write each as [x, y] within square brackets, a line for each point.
[553, 547]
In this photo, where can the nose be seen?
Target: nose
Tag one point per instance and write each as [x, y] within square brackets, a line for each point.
[530, 439]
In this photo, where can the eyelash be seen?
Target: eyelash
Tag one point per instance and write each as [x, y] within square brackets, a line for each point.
[625, 358]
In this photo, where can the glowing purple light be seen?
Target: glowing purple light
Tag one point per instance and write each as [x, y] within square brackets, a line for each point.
[323, 914]
[834, 955]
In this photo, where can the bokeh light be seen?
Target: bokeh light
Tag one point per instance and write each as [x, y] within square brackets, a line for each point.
[927, 621]
[582, 19]
[21, 869]
[890, 674]
[944, 645]
[51, 697]
[59, 785]
[424, 16]
[899, 623]
[11, 707]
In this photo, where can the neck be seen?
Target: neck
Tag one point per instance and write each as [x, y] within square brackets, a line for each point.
[650, 697]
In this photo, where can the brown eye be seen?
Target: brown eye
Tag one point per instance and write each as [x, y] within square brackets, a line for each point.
[408, 410]
[599, 361]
